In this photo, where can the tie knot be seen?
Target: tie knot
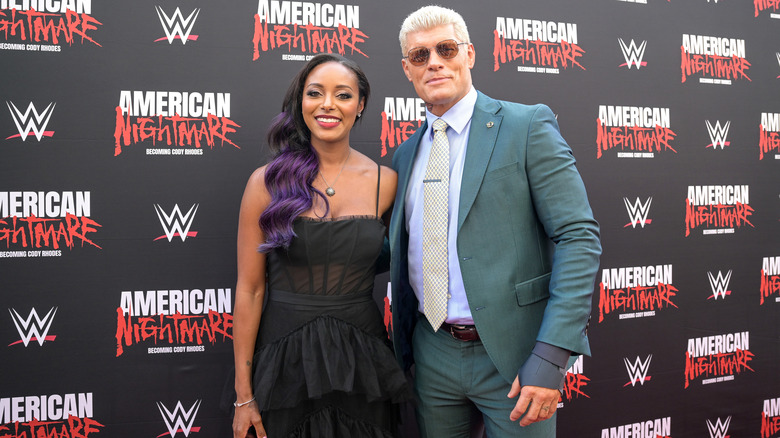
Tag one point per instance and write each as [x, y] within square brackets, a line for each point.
[439, 125]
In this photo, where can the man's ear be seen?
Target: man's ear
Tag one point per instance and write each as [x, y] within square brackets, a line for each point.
[405, 66]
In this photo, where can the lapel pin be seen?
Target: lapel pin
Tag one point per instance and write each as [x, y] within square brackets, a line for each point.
[489, 124]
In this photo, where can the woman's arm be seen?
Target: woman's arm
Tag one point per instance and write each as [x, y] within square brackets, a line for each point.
[250, 291]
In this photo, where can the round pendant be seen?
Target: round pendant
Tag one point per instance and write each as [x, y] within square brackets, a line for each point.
[329, 191]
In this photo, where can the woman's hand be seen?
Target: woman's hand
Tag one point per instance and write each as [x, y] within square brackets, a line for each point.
[246, 416]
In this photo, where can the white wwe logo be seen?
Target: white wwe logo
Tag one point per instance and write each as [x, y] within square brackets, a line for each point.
[719, 284]
[637, 371]
[176, 224]
[31, 120]
[719, 429]
[637, 212]
[632, 53]
[33, 327]
[718, 134]
[176, 25]
[179, 419]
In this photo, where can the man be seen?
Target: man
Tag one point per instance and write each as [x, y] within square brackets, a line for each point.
[494, 324]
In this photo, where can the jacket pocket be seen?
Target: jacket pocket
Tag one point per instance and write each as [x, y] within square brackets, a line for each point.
[533, 290]
[503, 171]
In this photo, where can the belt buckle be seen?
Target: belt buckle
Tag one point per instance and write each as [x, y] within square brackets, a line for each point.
[453, 328]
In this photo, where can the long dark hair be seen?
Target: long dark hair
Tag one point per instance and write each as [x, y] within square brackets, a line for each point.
[290, 175]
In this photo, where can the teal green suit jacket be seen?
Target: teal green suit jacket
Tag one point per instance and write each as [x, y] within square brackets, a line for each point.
[528, 244]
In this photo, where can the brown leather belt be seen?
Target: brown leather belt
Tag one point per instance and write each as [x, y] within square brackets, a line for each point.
[461, 332]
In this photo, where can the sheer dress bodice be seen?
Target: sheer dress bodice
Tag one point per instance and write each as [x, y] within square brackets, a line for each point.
[328, 269]
[328, 256]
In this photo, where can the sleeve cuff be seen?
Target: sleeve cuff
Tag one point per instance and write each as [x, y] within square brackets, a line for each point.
[555, 355]
[539, 372]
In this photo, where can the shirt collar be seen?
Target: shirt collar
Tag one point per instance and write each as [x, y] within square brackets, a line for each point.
[458, 116]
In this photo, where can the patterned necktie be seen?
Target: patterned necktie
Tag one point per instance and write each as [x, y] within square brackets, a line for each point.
[436, 188]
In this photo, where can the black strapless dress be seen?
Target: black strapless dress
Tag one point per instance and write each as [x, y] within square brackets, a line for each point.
[323, 363]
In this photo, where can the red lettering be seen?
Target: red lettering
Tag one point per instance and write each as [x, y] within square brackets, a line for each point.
[12, 234]
[388, 317]
[308, 38]
[762, 5]
[74, 427]
[13, 26]
[770, 284]
[122, 131]
[539, 53]
[220, 323]
[177, 131]
[225, 125]
[642, 298]
[768, 141]
[45, 233]
[79, 227]
[172, 329]
[716, 365]
[769, 425]
[86, 22]
[633, 138]
[396, 132]
[32, 25]
[573, 384]
[124, 331]
[714, 66]
[716, 216]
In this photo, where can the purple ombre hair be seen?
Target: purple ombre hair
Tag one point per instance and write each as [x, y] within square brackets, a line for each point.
[290, 175]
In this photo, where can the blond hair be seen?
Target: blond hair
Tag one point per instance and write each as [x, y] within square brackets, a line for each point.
[429, 17]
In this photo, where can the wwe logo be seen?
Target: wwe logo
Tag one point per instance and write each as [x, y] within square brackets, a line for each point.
[718, 134]
[778, 60]
[719, 285]
[31, 121]
[719, 429]
[176, 26]
[637, 212]
[33, 328]
[637, 371]
[179, 419]
[176, 224]
[633, 54]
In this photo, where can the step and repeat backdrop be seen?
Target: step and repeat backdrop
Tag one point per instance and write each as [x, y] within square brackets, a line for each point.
[128, 131]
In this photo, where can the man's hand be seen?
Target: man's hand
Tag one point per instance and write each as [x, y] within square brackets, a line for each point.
[537, 403]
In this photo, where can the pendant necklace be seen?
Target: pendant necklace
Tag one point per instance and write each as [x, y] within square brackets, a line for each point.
[330, 191]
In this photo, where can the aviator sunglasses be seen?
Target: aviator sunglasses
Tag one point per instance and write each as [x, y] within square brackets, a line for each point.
[446, 49]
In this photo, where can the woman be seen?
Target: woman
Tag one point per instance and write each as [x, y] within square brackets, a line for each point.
[317, 362]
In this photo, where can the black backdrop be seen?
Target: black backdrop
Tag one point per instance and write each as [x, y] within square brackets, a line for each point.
[86, 231]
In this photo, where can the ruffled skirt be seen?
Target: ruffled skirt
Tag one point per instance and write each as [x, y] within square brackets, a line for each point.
[332, 375]
[323, 356]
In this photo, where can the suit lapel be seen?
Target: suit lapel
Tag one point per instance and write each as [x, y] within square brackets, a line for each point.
[485, 124]
[404, 169]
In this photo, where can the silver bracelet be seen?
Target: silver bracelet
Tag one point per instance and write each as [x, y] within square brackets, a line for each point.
[238, 405]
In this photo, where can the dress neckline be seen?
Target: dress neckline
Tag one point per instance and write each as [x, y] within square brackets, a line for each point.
[341, 218]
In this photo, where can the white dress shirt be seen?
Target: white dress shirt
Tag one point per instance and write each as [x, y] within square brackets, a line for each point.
[458, 119]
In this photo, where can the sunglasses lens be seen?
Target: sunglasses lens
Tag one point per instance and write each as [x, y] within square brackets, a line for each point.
[419, 55]
[447, 49]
